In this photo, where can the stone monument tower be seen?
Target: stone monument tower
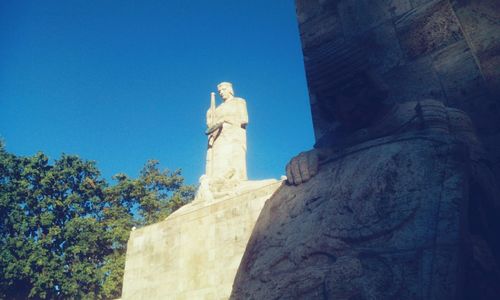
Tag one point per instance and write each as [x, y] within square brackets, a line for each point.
[399, 198]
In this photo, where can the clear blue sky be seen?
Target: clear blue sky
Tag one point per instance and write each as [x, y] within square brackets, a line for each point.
[121, 82]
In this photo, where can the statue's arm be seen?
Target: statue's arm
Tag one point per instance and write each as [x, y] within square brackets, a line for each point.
[212, 128]
[243, 113]
[237, 115]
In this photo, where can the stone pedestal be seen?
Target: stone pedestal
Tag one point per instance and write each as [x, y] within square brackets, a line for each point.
[195, 252]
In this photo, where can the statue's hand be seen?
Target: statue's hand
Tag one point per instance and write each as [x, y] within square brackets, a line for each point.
[302, 167]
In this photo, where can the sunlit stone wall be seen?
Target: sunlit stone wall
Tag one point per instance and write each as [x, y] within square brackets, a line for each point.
[195, 252]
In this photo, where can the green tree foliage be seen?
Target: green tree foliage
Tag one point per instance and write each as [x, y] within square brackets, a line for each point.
[64, 229]
[138, 202]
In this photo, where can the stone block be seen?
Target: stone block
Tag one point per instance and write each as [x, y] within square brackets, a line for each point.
[428, 28]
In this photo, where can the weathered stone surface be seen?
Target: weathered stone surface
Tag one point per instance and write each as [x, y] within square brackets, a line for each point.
[448, 50]
[317, 30]
[307, 10]
[385, 52]
[328, 67]
[459, 74]
[414, 81]
[464, 86]
[195, 252]
[428, 28]
[395, 212]
[381, 220]
[480, 21]
[417, 3]
[359, 16]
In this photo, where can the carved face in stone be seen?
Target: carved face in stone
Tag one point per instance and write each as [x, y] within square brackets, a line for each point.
[225, 91]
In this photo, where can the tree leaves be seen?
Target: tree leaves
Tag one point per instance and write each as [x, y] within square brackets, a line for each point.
[64, 229]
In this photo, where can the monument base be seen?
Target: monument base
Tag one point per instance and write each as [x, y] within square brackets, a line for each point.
[384, 219]
[196, 251]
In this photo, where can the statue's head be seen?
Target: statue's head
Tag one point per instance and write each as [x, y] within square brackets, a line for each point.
[225, 90]
[358, 103]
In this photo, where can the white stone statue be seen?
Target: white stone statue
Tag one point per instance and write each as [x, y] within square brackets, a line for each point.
[226, 170]
[227, 142]
[226, 167]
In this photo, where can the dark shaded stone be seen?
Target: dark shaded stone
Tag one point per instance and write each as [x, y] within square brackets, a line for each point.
[413, 81]
[323, 28]
[465, 87]
[384, 51]
[417, 3]
[480, 21]
[428, 28]
[360, 16]
[458, 73]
